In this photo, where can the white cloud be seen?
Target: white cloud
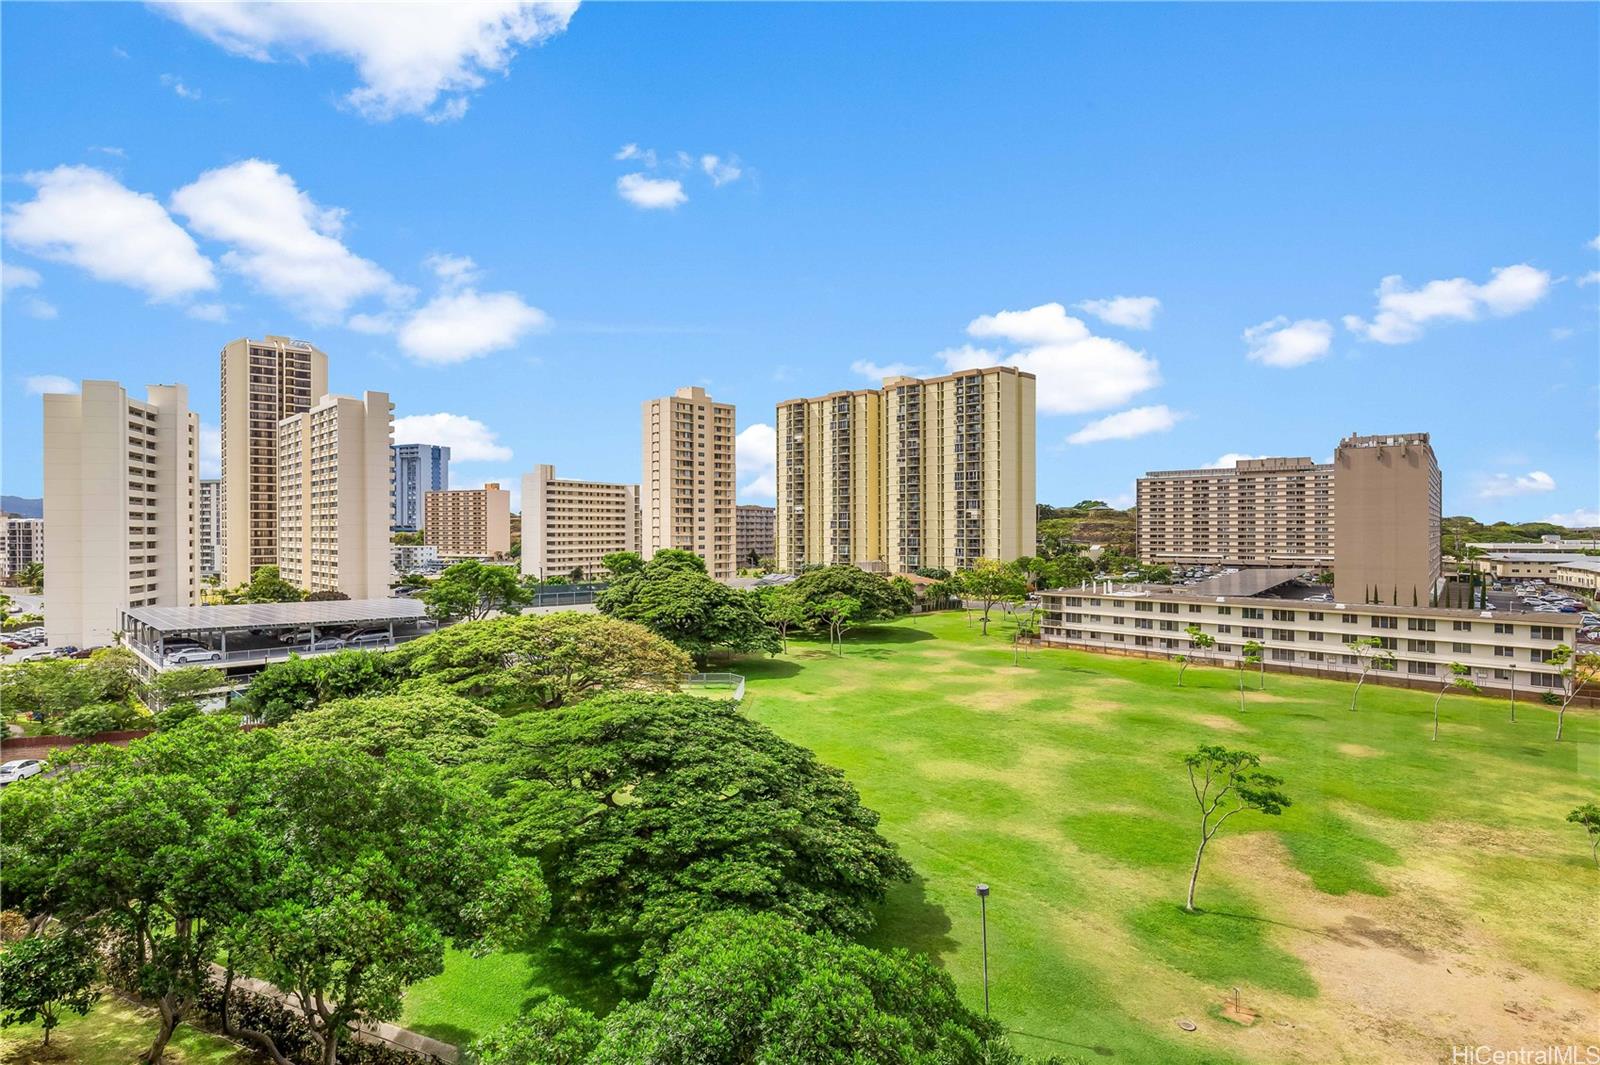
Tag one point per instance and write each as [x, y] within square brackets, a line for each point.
[13, 276]
[873, 371]
[458, 325]
[1280, 342]
[756, 460]
[453, 271]
[1130, 312]
[1229, 460]
[651, 193]
[720, 171]
[1403, 313]
[1500, 485]
[1595, 244]
[175, 83]
[1127, 424]
[1078, 372]
[414, 59]
[1591, 278]
[85, 217]
[281, 240]
[1582, 518]
[208, 312]
[468, 439]
[647, 156]
[110, 150]
[48, 383]
[210, 451]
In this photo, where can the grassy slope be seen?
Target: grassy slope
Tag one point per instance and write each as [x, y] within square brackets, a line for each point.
[1059, 783]
[115, 1031]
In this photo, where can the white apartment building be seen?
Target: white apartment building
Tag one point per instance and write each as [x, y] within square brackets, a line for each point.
[332, 500]
[413, 558]
[263, 382]
[209, 532]
[687, 490]
[569, 526]
[23, 544]
[120, 500]
[1504, 649]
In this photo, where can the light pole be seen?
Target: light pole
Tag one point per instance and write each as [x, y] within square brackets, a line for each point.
[983, 909]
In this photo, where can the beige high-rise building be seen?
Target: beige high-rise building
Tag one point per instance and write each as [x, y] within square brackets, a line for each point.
[1388, 490]
[263, 382]
[569, 526]
[468, 522]
[686, 495]
[1257, 512]
[334, 475]
[933, 473]
[209, 530]
[755, 532]
[120, 497]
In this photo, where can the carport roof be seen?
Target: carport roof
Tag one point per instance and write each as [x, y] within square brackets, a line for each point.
[277, 615]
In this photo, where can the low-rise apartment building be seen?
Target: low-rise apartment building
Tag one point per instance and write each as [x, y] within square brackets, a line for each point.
[413, 558]
[23, 544]
[570, 525]
[468, 522]
[1580, 575]
[1504, 649]
[1524, 565]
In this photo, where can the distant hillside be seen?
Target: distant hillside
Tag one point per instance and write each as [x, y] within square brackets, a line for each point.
[1088, 522]
[1471, 530]
[22, 506]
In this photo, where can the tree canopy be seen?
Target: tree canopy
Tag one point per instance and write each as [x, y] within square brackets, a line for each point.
[671, 596]
[431, 722]
[472, 590]
[650, 811]
[287, 688]
[876, 596]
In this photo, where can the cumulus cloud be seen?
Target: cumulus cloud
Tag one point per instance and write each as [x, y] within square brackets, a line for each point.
[1500, 485]
[422, 59]
[1130, 312]
[1582, 518]
[1078, 372]
[210, 451]
[459, 325]
[721, 171]
[1280, 342]
[756, 459]
[1404, 313]
[47, 383]
[875, 372]
[468, 439]
[651, 194]
[1127, 424]
[280, 239]
[88, 219]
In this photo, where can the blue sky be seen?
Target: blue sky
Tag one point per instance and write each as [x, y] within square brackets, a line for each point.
[1182, 218]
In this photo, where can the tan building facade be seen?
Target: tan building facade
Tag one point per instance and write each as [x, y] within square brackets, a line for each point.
[335, 468]
[120, 497]
[1580, 575]
[755, 533]
[208, 530]
[570, 525]
[933, 473]
[686, 493]
[1503, 649]
[468, 522]
[263, 382]
[1389, 492]
[1258, 512]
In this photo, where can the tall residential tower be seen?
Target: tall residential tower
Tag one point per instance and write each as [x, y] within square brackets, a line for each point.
[687, 490]
[418, 470]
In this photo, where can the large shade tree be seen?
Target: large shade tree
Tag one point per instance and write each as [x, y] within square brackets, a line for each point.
[472, 590]
[436, 724]
[672, 596]
[651, 811]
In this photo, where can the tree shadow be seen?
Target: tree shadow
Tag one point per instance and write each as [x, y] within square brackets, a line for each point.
[453, 1034]
[1252, 918]
[1101, 1051]
[908, 919]
[892, 633]
[767, 668]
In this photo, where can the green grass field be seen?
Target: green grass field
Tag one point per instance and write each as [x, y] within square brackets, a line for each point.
[1417, 894]
[115, 1030]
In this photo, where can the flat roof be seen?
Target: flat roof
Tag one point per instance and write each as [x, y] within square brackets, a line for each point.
[276, 615]
[1193, 594]
[1586, 563]
[1246, 582]
[1531, 556]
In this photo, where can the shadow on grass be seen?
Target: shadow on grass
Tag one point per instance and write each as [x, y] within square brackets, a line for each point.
[907, 919]
[767, 668]
[454, 1034]
[891, 634]
[1100, 1051]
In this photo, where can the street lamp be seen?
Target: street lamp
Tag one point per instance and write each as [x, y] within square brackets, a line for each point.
[983, 908]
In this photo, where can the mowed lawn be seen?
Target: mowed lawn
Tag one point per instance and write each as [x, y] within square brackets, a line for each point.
[1417, 894]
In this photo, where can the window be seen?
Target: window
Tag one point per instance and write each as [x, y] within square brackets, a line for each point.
[1315, 656]
[1461, 626]
[1143, 623]
[1194, 608]
[1314, 615]
[1168, 626]
[1461, 648]
[1388, 643]
[1420, 646]
[1144, 607]
[1381, 622]
[1504, 652]
[1314, 637]
[1283, 615]
[1169, 608]
[1419, 624]
[1283, 654]
[1503, 628]
[1283, 635]
[1388, 664]
[1348, 619]
[1254, 613]
[1546, 632]
[1539, 654]
[1420, 669]
[1225, 629]
[1141, 641]
[1224, 611]
[1546, 680]
[1251, 632]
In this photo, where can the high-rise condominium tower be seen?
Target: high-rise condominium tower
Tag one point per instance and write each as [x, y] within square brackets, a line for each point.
[569, 525]
[1386, 544]
[933, 473]
[263, 382]
[687, 491]
[334, 469]
[120, 495]
[468, 522]
[418, 470]
[1257, 512]
[209, 530]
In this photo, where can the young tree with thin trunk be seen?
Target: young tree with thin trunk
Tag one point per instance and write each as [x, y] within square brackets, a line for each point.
[1370, 654]
[1226, 783]
[991, 582]
[42, 975]
[1458, 677]
[1578, 669]
[1199, 640]
[1587, 817]
[837, 612]
[1250, 656]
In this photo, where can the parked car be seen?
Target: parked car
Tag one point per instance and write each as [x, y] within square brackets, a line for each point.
[20, 769]
[186, 655]
[327, 643]
[368, 638]
[299, 636]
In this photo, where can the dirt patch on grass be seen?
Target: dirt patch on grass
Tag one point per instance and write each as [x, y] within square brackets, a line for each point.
[1219, 723]
[1356, 750]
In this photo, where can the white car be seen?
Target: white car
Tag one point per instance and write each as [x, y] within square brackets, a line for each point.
[368, 638]
[327, 643]
[185, 655]
[20, 769]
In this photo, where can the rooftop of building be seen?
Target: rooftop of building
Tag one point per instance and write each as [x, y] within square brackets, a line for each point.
[1532, 556]
[1585, 562]
[276, 615]
[896, 381]
[1286, 464]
